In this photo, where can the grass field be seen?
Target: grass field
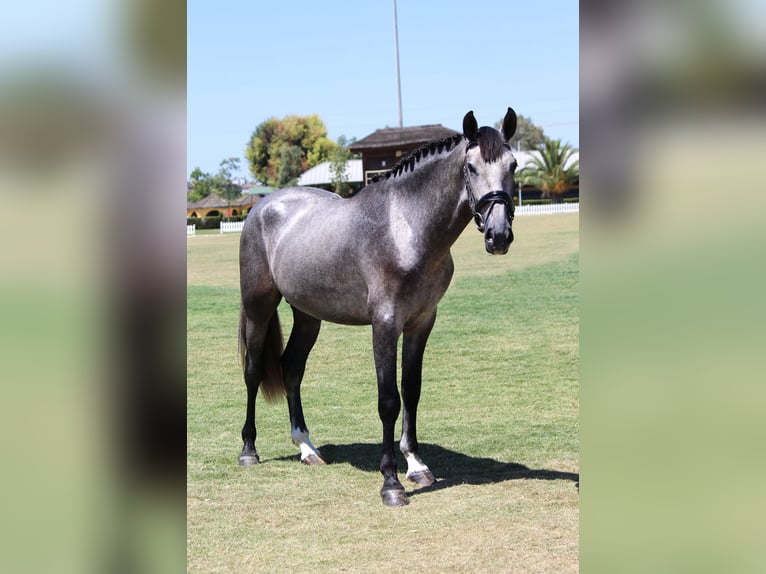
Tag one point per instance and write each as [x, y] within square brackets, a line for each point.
[498, 425]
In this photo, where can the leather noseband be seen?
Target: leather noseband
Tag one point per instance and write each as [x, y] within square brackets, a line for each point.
[488, 199]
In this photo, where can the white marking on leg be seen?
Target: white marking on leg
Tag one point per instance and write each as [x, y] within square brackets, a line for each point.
[414, 464]
[301, 440]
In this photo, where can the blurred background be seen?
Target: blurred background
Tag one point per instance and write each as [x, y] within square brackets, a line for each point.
[92, 285]
[673, 139]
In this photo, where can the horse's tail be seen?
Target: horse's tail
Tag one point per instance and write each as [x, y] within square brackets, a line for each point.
[272, 384]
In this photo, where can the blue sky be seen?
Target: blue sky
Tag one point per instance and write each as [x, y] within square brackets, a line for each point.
[249, 61]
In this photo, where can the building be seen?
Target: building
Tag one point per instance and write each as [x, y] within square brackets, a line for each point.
[216, 206]
[321, 176]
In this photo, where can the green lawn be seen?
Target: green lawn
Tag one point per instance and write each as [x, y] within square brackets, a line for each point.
[498, 425]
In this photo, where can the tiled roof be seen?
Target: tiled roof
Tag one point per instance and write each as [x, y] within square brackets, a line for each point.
[395, 137]
[214, 200]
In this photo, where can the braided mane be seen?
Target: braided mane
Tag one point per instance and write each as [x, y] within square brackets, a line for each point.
[408, 162]
[488, 139]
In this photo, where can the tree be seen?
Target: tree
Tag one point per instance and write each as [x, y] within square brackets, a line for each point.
[227, 167]
[528, 136]
[280, 150]
[290, 160]
[222, 184]
[202, 185]
[338, 162]
[548, 169]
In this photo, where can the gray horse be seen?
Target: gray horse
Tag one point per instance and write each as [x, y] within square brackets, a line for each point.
[380, 258]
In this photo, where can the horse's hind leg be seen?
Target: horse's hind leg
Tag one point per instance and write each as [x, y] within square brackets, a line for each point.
[261, 342]
[302, 338]
[413, 348]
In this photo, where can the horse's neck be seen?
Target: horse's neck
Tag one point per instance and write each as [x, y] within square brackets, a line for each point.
[433, 196]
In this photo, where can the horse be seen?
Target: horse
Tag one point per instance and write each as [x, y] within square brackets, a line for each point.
[381, 258]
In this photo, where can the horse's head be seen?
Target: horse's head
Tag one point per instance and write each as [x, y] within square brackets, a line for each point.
[488, 172]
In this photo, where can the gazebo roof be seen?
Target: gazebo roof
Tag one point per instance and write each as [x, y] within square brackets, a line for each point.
[391, 138]
[211, 200]
[214, 200]
[258, 189]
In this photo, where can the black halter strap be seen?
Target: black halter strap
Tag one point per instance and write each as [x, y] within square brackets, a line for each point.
[488, 199]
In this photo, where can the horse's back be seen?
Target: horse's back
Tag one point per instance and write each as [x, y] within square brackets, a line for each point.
[291, 201]
[301, 241]
[281, 207]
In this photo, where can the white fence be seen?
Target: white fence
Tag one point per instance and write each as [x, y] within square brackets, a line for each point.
[236, 226]
[548, 208]
[232, 226]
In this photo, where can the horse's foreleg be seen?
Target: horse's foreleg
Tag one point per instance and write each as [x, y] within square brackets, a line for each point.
[413, 348]
[385, 335]
[302, 338]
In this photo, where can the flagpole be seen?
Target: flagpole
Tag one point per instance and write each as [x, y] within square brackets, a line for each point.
[398, 80]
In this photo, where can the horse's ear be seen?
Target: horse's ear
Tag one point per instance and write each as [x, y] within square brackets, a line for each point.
[509, 124]
[470, 127]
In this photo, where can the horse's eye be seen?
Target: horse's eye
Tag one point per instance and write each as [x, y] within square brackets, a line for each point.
[472, 169]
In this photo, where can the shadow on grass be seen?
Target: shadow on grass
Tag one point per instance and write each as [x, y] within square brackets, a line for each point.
[450, 467]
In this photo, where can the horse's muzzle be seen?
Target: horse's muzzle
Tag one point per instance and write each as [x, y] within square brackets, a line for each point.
[497, 243]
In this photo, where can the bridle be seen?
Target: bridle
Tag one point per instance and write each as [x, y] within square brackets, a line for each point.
[488, 199]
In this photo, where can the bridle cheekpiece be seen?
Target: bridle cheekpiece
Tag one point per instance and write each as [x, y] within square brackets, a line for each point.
[488, 199]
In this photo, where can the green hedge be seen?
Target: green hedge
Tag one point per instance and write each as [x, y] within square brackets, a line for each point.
[545, 201]
[212, 222]
[204, 222]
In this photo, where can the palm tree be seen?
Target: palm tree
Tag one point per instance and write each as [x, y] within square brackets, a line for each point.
[548, 169]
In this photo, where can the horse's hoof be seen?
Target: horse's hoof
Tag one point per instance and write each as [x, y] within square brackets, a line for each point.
[394, 497]
[421, 477]
[313, 460]
[249, 459]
